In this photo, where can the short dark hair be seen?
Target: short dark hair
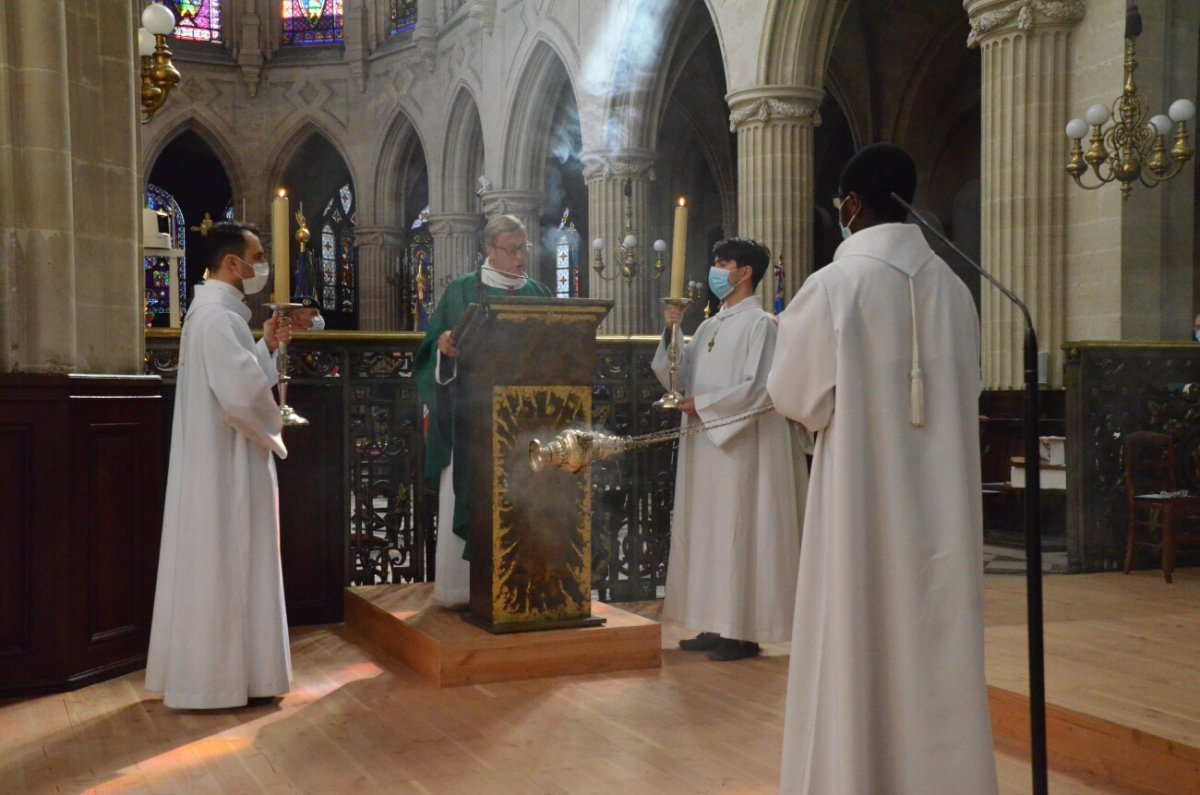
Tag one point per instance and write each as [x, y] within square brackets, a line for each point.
[745, 252]
[875, 173]
[227, 237]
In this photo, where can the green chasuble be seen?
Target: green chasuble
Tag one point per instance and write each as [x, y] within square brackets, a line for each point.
[439, 437]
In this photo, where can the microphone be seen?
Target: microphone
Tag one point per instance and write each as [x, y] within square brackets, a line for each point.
[1033, 531]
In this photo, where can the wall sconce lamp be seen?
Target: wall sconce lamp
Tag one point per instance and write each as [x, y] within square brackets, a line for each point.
[159, 75]
[627, 256]
[1131, 148]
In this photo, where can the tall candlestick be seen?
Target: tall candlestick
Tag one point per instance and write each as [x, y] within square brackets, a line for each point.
[679, 249]
[282, 292]
[173, 282]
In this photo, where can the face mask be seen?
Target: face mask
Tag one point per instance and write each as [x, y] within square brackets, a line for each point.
[846, 228]
[261, 271]
[718, 282]
[1197, 336]
[318, 324]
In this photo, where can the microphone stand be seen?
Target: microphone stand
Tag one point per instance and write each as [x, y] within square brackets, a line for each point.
[1033, 530]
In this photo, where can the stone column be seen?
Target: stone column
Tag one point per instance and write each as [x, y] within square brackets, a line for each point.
[378, 268]
[525, 205]
[605, 174]
[1024, 105]
[70, 295]
[774, 126]
[456, 245]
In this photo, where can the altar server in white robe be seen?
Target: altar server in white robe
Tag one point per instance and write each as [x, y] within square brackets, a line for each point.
[739, 487]
[219, 631]
[879, 355]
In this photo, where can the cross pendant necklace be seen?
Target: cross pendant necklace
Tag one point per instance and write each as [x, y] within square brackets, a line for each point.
[713, 341]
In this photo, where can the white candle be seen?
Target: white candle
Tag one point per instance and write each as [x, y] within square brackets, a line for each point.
[173, 281]
[679, 249]
[282, 292]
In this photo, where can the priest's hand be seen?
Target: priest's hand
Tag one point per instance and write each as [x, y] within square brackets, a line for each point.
[446, 344]
[688, 407]
[672, 315]
[277, 330]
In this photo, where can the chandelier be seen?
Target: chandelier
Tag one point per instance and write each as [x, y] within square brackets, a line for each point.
[1131, 148]
[159, 75]
[627, 255]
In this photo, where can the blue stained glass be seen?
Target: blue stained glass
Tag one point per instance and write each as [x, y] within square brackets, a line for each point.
[157, 268]
[308, 22]
[402, 16]
[196, 20]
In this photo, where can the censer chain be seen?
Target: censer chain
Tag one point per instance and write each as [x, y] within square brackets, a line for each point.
[658, 437]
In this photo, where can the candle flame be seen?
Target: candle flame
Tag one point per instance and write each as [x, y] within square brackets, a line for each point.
[682, 201]
[281, 193]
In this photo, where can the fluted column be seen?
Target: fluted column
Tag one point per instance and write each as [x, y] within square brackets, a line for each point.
[455, 245]
[774, 126]
[525, 205]
[605, 174]
[70, 295]
[1024, 102]
[378, 268]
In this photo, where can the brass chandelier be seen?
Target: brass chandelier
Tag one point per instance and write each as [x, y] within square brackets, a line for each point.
[159, 75]
[1132, 148]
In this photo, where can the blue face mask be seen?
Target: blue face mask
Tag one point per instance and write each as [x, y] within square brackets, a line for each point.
[1197, 335]
[846, 228]
[718, 282]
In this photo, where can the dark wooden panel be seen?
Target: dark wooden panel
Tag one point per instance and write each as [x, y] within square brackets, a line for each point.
[116, 508]
[33, 523]
[16, 542]
[311, 507]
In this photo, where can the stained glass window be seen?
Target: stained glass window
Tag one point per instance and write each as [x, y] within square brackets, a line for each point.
[338, 258]
[312, 21]
[196, 20]
[402, 16]
[159, 275]
[566, 258]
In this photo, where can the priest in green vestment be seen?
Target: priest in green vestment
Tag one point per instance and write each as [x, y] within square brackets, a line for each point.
[506, 244]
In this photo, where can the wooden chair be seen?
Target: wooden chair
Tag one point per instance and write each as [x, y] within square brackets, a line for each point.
[1150, 470]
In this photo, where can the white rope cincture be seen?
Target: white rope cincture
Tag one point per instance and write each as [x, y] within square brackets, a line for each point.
[917, 380]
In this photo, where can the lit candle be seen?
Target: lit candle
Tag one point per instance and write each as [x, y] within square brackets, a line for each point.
[282, 292]
[679, 249]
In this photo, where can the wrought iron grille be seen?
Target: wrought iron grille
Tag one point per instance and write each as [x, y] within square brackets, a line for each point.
[390, 520]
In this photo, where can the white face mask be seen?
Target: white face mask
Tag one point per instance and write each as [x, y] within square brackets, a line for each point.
[254, 284]
[318, 324]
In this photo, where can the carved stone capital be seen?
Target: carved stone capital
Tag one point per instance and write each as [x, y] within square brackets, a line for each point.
[511, 202]
[377, 236]
[989, 17]
[444, 224]
[764, 104]
[620, 164]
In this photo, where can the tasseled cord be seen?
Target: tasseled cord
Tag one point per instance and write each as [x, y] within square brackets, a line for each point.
[917, 386]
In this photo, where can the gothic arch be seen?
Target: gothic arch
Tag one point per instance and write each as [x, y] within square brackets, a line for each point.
[799, 38]
[396, 150]
[302, 128]
[463, 155]
[526, 134]
[221, 148]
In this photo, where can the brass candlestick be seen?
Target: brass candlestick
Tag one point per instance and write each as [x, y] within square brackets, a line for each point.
[673, 397]
[289, 415]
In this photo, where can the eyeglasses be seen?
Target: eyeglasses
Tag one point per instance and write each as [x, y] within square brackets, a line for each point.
[513, 251]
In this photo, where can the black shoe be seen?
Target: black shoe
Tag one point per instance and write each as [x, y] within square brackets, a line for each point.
[728, 650]
[702, 642]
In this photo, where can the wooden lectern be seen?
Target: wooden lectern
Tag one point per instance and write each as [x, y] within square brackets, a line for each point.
[525, 372]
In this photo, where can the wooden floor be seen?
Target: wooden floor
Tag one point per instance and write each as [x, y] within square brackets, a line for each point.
[1122, 647]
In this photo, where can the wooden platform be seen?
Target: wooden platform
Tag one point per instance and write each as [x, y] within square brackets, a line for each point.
[1122, 676]
[448, 651]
